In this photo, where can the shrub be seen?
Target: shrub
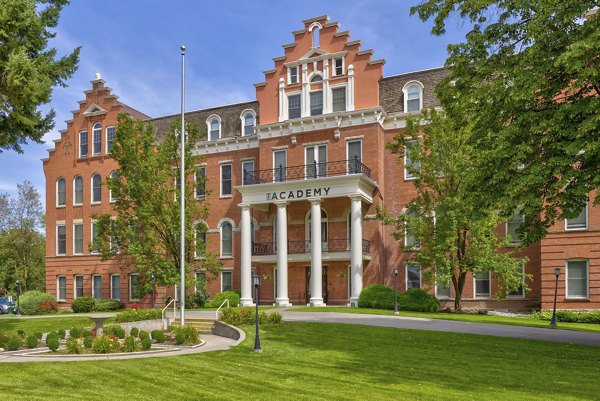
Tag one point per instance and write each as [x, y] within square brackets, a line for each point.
[129, 344]
[39, 335]
[88, 341]
[30, 300]
[418, 300]
[31, 341]
[52, 341]
[74, 346]
[134, 331]
[275, 318]
[234, 299]
[46, 307]
[21, 333]
[190, 335]
[246, 316]
[179, 337]
[14, 343]
[135, 315]
[143, 335]
[106, 305]
[75, 332]
[103, 345]
[115, 331]
[197, 300]
[86, 333]
[62, 334]
[570, 316]
[146, 344]
[83, 304]
[376, 296]
[4, 337]
[159, 336]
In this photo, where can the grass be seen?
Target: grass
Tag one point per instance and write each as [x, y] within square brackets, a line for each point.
[43, 325]
[312, 361]
[491, 319]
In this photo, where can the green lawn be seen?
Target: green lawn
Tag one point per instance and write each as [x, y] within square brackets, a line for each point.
[43, 325]
[312, 361]
[513, 321]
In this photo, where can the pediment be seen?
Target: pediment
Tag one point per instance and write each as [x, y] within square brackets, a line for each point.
[94, 110]
[314, 52]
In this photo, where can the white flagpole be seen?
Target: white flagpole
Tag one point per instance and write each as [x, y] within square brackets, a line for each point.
[182, 195]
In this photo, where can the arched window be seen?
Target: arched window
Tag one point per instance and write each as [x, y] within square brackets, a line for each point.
[248, 128]
[214, 127]
[96, 188]
[77, 190]
[114, 176]
[315, 29]
[413, 96]
[316, 78]
[226, 239]
[97, 139]
[61, 192]
[200, 238]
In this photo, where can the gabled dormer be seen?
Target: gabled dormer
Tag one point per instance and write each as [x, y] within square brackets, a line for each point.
[321, 72]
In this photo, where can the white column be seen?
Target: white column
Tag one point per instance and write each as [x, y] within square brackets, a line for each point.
[316, 267]
[350, 91]
[356, 261]
[246, 256]
[305, 101]
[282, 255]
[282, 101]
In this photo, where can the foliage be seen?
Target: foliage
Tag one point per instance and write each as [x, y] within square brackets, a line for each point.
[106, 305]
[247, 316]
[31, 341]
[47, 307]
[38, 335]
[14, 343]
[143, 334]
[83, 304]
[146, 230]
[103, 345]
[376, 296]
[190, 334]
[74, 346]
[22, 246]
[4, 337]
[129, 345]
[197, 300]
[179, 338]
[62, 334]
[134, 332]
[146, 343]
[418, 300]
[88, 341]
[31, 299]
[570, 316]
[52, 341]
[116, 331]
[526, 77]
[232, 296]
[159, 336]
[75, 332]
[135, 315]
[454, 232]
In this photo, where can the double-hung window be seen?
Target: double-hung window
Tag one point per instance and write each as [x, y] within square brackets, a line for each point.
[78, 239]
[338, 99]
[61, 192]
[96, 188]
[579, 222]
[316, 103]
[316, 161]
[411, 167]
[200, 237]
[226, 179]
[97, 139]
[83, 144]
[248, 172]
[354, 157]
[215, 129]
[110, 138]
[248, 124]
[482, 285]
[294, 106]
[338, 67]
[115, 286]
[78, 282]
[279, 165]
[293, 75]
[61, 239]
[515, 222]
[61, 286]
[413, 98]
[577, 279]
[134, 279]
[200, 182]
[226, 280]
[226, 239]
[413, 276]
[97, 286]
[78, 190]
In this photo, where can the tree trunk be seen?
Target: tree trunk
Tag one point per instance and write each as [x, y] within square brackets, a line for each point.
[458, 289]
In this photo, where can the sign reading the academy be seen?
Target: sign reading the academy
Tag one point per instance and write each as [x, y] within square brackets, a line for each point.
[298, 194]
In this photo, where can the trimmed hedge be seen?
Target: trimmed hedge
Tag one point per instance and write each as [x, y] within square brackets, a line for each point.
[107, 305]
[30, 301]
[570, 316]
[83, 305]
[247, 316]
[234, 299]
[418, 300]
[376, 296]
[135, 315]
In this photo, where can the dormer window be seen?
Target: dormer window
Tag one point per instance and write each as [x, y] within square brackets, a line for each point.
[248, 119]
[214, 128]
[338, 67]
[413, 97]
[293, 75]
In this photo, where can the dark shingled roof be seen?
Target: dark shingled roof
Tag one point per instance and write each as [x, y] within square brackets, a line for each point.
[391, 97]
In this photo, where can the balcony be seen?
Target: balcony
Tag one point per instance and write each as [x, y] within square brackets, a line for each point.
[299, 251]
[307, 172]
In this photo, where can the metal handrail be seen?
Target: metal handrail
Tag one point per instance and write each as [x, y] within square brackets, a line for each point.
[174, 302]
[303, 247]
[219, 308]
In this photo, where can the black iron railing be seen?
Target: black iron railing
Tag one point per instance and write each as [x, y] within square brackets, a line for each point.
[300, 247]
[306, 171]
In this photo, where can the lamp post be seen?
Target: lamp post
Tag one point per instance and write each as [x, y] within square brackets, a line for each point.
[256, 282]
[18, 298]
[182, 195]
[553, 321]
[396, 291]
[153, 290]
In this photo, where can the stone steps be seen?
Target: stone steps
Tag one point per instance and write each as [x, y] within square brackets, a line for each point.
[203, 325]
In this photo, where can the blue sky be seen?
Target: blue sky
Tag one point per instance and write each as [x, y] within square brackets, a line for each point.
[134, 44]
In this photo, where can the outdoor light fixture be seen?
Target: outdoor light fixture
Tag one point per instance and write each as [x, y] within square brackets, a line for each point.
[153, 290]
[256, 283]
[396, 291]
[18, 297]
[553, 321]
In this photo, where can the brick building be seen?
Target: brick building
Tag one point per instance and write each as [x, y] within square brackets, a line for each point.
[305, 163]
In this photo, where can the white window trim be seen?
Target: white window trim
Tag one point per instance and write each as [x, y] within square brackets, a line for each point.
[92, 235]
[93, 142]
[198, 273]
[338, 86]
[221, 195]
[275, 167]
[229, 271]
[112, 287]
[196, 168]
[61, 254]
[315, 146]
[58, 205]
[348, 142]
[243, 116]
[406, 173]
[74, 191]
[522, 294]
[208, 121]
[289, 75]
[567, 228]
[79, 143]
[131, 298]
[253, 168]
[489, 295]
[58, 298]
[406, 267]
[196, 239]
[405, 92]
[221, 223]
[286, 105]
[514, 241]
[75, 285]
[333, 74]
[106, 138]
[587, 273]
[443, 296]
[94, 287]
[74, 239]
[92, 201]
[111, 199]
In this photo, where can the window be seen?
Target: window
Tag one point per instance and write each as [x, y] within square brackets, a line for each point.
[442, 291]
[413, 276]
[97, 286]
[96, 188]
[316, 161]
[293, 75]
[413, 97]
[110, 138]
[316, 103]
[226, 179]
[200, 236]
[519, 292]
[294, 106]
[338, 67]
[94, 233]
[248, 128]
[226, 281]
[97, 138]
[579, 222]
[338, 96]
[411, 167]
[134, 279]
[78, 190]
[279, 165]
[410, 238]
[61, 288]
[354, 157]
[114, 176]
[316, 78]
[226, 239]
[78, 283]
[577, 279]
[77, 239]
[61, 239]
[114, 236]
[115, 286]
[215, 129]
[248, 172]
[61, 192]
[200, 178]
[83, 144]
[482, 285]
[513, 225]
[200, 281]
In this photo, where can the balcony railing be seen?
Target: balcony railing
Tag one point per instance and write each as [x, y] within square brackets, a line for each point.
[307, 171]
[300, 247]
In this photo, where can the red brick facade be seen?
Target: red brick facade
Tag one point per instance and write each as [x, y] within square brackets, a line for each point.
[359, 109]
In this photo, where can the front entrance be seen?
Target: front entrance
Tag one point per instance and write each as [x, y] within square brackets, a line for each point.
[324, 281]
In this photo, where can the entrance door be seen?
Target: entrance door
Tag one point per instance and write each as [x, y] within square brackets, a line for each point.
[324, 281]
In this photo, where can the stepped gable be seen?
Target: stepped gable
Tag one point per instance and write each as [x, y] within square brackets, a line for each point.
[391, 95]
